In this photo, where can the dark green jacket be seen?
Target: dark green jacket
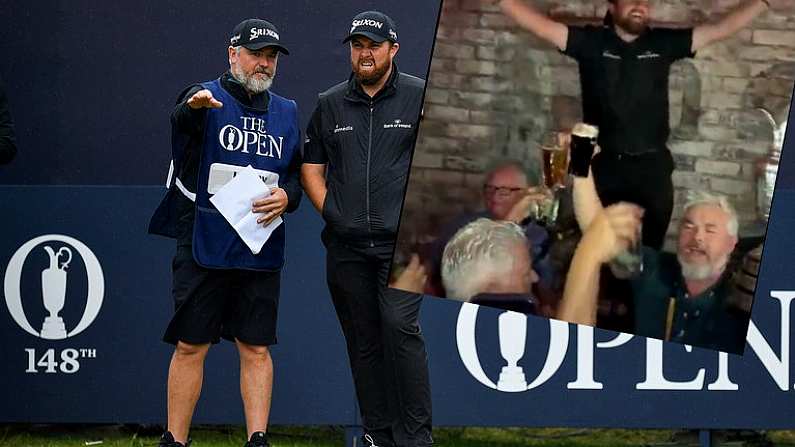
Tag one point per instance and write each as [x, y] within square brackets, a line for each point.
[703, 321]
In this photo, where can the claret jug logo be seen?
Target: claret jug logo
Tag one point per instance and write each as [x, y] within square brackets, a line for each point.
[512, 328]
[55, 271]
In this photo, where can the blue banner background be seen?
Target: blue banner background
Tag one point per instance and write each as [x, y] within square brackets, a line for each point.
[91, 84]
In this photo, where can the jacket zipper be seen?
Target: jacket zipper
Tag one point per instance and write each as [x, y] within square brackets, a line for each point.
[367, 186]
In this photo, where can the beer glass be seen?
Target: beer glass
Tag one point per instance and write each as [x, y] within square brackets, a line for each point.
[629, 263]
[555, 163]
[583, 144]
[555, 159]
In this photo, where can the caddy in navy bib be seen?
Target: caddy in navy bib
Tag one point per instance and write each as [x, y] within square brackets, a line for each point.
[237, 136]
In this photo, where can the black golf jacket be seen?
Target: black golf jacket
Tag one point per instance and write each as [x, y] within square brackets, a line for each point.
[366, 144]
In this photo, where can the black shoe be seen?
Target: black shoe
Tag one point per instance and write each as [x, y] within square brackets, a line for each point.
[167, 440]
[258, 439]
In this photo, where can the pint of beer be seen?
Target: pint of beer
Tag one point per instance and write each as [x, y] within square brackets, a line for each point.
[583, 143]
[629, 263]
[555, 159]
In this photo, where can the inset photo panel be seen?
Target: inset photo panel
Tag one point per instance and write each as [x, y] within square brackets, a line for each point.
[605, 163]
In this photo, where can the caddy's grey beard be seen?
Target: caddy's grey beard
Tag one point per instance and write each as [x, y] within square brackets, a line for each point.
[252, 83]
[700, 272]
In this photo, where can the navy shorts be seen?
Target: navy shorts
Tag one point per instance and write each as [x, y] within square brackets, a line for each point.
[212, 303]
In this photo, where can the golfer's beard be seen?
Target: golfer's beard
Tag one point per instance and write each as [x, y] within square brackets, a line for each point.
[251, 83]
[700, 272]
[373, 77]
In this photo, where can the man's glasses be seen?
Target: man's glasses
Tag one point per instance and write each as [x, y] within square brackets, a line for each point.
[500, 191]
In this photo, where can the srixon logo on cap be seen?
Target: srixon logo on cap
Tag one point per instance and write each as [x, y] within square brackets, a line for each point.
[366, 22]
[258, 32]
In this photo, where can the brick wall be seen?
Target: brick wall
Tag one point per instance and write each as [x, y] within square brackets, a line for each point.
[494, 91]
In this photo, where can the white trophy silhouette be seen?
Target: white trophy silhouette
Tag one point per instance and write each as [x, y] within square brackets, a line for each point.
[53, 289]
[230, 138]
[513, 334]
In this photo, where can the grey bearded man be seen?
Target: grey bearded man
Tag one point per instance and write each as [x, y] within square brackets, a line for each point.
[221, 287]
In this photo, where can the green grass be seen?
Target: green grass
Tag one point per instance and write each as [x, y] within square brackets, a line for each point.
[228, 436]
[118, 436]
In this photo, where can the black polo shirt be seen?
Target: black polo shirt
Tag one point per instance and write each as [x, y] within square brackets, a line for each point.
[625, 84]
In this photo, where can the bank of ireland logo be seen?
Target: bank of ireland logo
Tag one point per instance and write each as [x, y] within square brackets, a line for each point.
[512, 332]
[55, 275]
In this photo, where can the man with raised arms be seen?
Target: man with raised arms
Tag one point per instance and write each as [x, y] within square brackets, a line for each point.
[624, 69]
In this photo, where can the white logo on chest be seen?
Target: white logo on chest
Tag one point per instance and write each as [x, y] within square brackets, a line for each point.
[398, 124]
[648, 55]
[252, 137]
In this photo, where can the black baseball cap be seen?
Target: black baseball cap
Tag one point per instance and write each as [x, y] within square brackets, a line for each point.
[374, 25]
[255, 34]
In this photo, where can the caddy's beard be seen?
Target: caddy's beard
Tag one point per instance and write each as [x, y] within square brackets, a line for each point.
[252, 83]
[700, 272]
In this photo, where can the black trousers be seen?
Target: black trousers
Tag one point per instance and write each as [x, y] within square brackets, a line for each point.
[644, 180]
[385, 344]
